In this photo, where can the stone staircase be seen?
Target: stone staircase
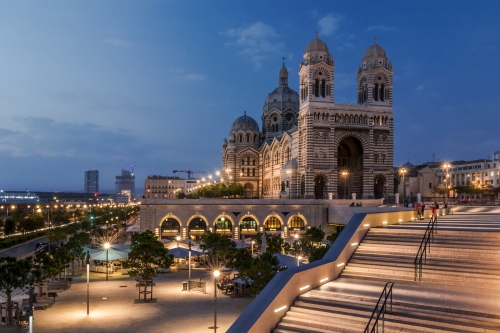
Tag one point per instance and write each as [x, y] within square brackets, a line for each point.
[459, 290]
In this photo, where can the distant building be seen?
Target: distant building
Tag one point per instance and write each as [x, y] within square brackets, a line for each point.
[165, 187]
[193, 184]
[91, 181]
[125, 184]
[12, 197]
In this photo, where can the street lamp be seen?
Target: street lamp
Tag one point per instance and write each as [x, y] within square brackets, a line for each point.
[344, 175]
[447, 167]
[106, 246]
[88, 282]
[253, 242]
[189, 262]
[403, 171]
[178, 238]
[298, 260]
[216, 276]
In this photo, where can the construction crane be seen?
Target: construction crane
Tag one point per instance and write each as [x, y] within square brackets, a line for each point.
[189, 172]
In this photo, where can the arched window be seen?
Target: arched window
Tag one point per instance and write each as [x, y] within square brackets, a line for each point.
[375, 92]
[241, 138]
[248, 138]
[254, 138]
[272, 223]
[248, 225]
[242, 161]
[323, 88]
[381, 93]
[248, 172]
[316, 88]
[253, 172]
[296, 222]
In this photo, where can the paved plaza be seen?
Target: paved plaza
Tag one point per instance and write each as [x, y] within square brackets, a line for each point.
[112, 307]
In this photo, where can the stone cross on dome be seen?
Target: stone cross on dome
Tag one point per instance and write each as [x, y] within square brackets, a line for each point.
[375, 40]
[317, 32]
[284, 61]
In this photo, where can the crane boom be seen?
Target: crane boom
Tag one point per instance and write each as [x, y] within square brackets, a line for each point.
[189, 172]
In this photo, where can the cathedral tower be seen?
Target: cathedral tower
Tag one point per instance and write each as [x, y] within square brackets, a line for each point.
[375, 77]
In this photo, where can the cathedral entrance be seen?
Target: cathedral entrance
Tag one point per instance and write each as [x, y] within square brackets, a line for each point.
[320, 187]
[248, 190]
[379, 186]
[350, 166]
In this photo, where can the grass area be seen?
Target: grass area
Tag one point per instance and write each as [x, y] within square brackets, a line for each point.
[19, 239]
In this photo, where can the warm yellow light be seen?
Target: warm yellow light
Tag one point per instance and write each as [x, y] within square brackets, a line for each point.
[216, 273]
[107, 246]
[304, 287]
[296, 236]
[341, 264]
[300, 258]
[178, 238]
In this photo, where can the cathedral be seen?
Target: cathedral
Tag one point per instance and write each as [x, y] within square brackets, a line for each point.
[310, 147]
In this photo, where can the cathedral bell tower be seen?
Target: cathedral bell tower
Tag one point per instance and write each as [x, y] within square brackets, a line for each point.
[375, 77]
[316, 73]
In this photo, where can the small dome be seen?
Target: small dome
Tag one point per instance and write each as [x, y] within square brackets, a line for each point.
[245, 123]
[374, 51]
[282, 98]
[316, 45]
[283, 70]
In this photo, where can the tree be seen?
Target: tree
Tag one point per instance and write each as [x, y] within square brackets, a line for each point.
[274, 244]
[2, 223]
[180, 195]
[43, 267]
[318, 253]
[14, 277]
[31, 222]
[148, 258]
[311, 240]
[10, 226]
[262, 269]
[221, 248]
[62, 258]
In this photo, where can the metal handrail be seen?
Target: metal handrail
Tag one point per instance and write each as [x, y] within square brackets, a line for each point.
[386, 293]
[425, 246]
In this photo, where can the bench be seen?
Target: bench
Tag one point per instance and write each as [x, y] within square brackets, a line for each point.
[68, 280]
[58, 285]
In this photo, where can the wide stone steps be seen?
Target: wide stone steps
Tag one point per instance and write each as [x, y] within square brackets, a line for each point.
[486, 267]
[340, 315]
[464, 257]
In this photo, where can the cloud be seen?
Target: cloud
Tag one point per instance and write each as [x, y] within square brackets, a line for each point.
[41, 136]
[329, 24]
[255, 42]
[381, 28]
[119, 42]
[345, 46]
[176, 69]
[195, 77]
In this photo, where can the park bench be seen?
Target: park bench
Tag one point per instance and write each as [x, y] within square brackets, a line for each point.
[58, 285]
[68, 280]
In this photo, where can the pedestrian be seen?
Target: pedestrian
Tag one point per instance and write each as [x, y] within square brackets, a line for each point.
[423, 211]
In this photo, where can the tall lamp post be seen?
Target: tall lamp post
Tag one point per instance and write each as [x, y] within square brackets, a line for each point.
[88, 282]
[403, 171]
[106, 246]
[344, 175]
[189, 262]
[447, 167]
[216, 276]
[253, 242]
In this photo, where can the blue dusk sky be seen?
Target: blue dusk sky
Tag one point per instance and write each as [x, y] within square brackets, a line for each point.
[84, 84]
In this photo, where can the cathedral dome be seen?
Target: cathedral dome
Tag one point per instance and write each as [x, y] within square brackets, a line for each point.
[374, 51]
[316, 45]
[282, 98]
[245, 123]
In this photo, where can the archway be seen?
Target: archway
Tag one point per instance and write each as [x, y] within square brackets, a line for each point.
[248, 226]
[320, 187]
[379, 186]
[272, 224]
[197, 227]
[350, 166]
[224, 226]
[248, 190]
[170, 228]
[296, 223]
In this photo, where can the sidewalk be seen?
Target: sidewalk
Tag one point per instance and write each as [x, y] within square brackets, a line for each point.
[112, 307]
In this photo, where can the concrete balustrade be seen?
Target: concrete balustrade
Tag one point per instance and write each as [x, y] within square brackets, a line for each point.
[266, 311]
